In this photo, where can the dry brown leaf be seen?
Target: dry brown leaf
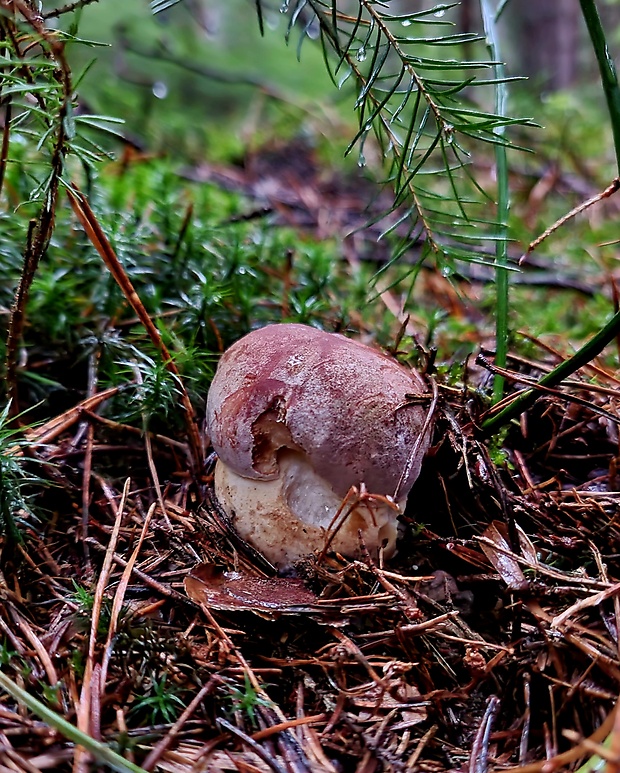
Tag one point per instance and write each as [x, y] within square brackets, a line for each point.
[502, 557]
[267, 597]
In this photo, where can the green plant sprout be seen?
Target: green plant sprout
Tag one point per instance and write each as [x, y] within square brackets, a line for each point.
[161, 703]
[15, 480]
[246, 699]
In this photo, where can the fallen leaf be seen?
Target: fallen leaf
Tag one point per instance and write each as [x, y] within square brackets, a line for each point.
[267, 597]
[502, 557]
[401, 696]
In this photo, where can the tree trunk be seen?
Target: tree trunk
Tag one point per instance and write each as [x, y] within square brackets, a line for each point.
[549, 32]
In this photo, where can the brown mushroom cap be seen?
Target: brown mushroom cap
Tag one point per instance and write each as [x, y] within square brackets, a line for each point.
[337, 401]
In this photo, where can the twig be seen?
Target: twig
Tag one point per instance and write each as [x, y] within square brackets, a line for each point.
[38, 647]
[20, 763]
[69, 8]
[256, 747]
[479, 759]
[161, 747]
[41, 229]
[56, 426]
[609, 191]
[591, 601]
[165, 590]
[273, 729]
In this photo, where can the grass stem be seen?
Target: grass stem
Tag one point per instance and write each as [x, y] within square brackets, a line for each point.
[503, 201]
[611, 330]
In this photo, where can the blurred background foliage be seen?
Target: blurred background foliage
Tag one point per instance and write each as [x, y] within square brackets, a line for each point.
[201, 66]
[196, 86]
[199, 80]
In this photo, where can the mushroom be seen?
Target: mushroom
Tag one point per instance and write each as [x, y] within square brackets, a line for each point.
[297, 417]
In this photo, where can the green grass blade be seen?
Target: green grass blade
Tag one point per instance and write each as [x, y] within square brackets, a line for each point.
[611, 330]
[99, 750]
[502, 289]
[609, 77]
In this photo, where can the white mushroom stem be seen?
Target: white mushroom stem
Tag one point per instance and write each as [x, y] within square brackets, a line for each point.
[298, 512]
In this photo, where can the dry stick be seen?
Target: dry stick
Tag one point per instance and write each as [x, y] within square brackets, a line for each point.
[8, 631]
[69, 8]
[115, 425]
[165, 590]
[38, 647]
[609, 191]
[256, 747]
[95, 233]
[598, 658]
[479, 759]
[40, 230]
[308, 737]
[591, 601]
[273, 729]
[21, 763]
[56, 426]
[428, 736]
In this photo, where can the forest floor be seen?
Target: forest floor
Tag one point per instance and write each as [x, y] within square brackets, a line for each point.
[489, 642]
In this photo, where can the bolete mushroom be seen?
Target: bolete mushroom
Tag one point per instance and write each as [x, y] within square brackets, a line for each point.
[297, 417]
